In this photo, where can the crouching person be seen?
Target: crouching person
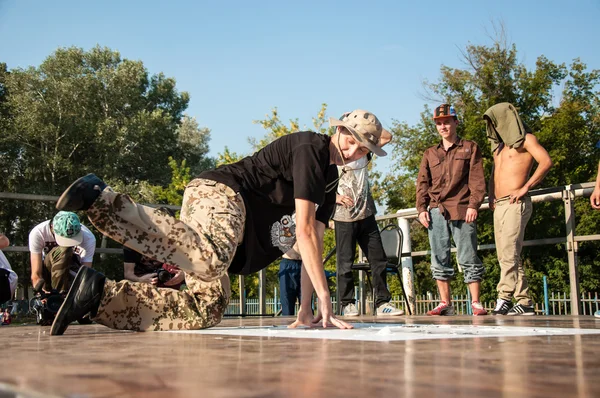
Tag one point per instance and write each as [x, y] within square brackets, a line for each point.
[238, 219]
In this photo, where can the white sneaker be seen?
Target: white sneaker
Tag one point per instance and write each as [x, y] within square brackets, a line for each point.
[389, 310]
[350, 310]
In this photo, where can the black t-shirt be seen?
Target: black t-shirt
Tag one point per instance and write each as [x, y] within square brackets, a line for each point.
[295, 166]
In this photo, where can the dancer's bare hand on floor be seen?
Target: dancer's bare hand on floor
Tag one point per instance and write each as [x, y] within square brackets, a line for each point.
[331, 322]
[304, 318]
[324, 317]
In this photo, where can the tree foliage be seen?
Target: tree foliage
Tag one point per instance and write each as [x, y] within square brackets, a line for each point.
[92, 111]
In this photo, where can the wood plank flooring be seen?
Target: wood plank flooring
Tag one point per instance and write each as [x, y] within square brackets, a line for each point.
[94, 361]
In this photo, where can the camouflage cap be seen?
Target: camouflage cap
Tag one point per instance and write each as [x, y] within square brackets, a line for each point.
[67, 229]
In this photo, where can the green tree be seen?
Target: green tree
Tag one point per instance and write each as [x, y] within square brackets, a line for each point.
[92, 111]
[192, 141]
[173, 193]
[275, 129]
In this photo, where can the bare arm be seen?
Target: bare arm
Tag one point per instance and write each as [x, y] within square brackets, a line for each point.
[491, 190]
[128, 273]
[310, 244]
[306, 285]
[4, 242]
[309, 235]
[595, 197]
[36, 268]
[541, 156]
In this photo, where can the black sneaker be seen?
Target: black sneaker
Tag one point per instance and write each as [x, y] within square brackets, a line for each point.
[502, 307]
[521, 309]
[83, 299]
[81, 194]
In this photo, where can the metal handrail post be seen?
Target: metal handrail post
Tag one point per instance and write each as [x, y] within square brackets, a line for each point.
[408, 274]
[242, 283]
[546, 301]
[568, 199]
[262, 291]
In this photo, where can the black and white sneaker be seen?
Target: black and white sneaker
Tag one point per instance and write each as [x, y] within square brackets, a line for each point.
[502, 307]
[521, 309]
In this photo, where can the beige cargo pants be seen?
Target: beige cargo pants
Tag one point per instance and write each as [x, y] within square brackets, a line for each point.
[202, 243]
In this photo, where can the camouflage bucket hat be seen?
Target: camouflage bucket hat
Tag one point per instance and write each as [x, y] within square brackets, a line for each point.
[365, 127]
[67, 229]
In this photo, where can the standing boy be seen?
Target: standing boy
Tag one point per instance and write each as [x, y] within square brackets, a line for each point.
[450, 190]
[514, 149]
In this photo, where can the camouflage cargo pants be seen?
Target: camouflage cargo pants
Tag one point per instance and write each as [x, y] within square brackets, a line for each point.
[203, 243]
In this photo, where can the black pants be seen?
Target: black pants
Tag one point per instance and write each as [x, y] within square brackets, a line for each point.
[366, 234]
[5, 293]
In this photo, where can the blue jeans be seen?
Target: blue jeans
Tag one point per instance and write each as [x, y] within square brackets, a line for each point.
[289, 284]
[465, 237]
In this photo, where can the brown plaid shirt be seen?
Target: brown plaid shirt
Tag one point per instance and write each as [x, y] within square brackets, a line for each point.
[451, 180]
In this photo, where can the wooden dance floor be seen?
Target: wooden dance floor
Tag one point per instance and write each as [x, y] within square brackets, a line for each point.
[459, 356]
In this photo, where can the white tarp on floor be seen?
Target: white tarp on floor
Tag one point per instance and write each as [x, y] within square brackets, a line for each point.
[392, 332]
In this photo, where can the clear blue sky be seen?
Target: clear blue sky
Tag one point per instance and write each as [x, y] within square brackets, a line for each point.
[239, 59]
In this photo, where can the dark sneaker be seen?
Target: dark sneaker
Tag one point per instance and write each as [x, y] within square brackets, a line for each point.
[81, 194]
[83, 298]
[521, 309]
[502, 307]
[443, 309]
[477, 309]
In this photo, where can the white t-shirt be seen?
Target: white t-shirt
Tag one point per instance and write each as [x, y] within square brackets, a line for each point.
[41, 240]
[12, 277]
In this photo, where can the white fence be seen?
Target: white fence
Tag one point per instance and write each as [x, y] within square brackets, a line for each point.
[559, 304]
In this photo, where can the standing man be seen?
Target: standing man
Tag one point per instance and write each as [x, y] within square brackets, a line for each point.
[450, 190]
[237, 218]
[514, 149]
[595, 202]
[58, 248]
[290, 273]
[354, 221]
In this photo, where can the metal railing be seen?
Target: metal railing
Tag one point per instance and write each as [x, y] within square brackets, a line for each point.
[559, 304]
[565, 193]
